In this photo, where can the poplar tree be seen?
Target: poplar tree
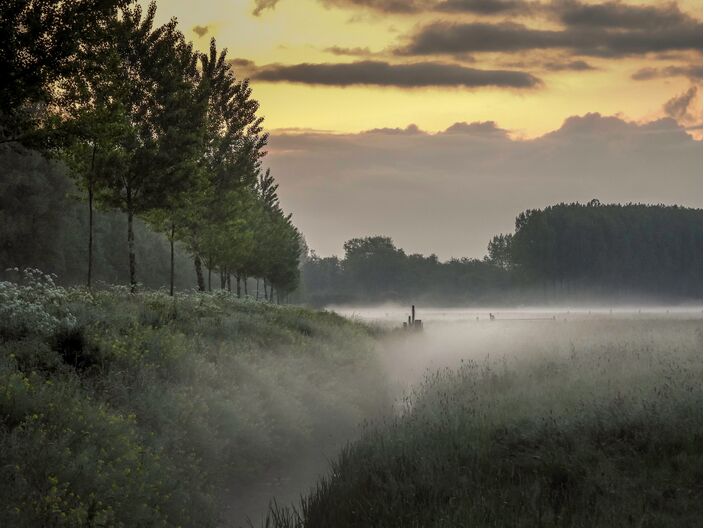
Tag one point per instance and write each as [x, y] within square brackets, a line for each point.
[157, 67]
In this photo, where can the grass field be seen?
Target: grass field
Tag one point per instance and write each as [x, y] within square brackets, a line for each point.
[585, 423]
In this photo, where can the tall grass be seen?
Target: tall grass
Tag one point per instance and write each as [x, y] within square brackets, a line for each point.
[585, 424]
[139, 410]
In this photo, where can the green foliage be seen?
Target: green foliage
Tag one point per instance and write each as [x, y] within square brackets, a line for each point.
[375, 270]
[42, 226]
[145, 408]
[654, 250]
[144, 130]
[35, 306]
[586, 424]
[42, 42]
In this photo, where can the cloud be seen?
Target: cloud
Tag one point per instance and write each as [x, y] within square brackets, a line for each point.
[409, 130]
[384, 6]
[449, 192]
[453, 38]
[414, 75]
[577, 65]
[262, 5]
[620, 15]
[352, 52]
[677, 106]
[407, 7]
[483, 7]
[478, 128]
[201, 31]
[243, 67]
[693, 72]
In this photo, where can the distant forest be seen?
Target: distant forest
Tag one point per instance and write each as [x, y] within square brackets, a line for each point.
[566, 252]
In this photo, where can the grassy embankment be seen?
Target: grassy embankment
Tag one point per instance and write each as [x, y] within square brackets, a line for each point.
[135, 410]
[584, 424]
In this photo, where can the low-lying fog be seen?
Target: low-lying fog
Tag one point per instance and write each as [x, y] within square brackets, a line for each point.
[452, 335]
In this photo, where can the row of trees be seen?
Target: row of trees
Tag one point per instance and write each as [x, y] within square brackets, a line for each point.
[589, 252]
[649, 249]
[151, 127]
[374, 270]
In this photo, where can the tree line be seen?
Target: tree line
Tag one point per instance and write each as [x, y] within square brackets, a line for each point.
[615, 249]
[151, 127]
[590, 252]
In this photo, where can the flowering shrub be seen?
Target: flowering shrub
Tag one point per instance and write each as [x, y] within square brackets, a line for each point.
[123, 409]
[33, 305]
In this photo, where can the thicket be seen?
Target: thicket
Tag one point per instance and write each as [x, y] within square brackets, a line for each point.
[121, 409]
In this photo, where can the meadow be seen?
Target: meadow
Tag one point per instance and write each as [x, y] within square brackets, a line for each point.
[121, 409]
[587, 422]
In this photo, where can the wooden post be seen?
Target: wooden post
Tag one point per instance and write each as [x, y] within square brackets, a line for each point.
[413, 314]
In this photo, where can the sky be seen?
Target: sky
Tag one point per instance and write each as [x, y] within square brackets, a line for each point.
[436, 122]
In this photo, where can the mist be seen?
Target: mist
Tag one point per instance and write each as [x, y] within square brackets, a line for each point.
[516, 338]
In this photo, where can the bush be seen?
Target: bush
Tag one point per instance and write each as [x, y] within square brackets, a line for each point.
[140, 410]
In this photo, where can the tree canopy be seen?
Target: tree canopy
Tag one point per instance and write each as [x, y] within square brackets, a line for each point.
[146, 125]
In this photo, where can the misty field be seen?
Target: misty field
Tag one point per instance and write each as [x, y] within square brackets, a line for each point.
[585, 422]
[120, 409]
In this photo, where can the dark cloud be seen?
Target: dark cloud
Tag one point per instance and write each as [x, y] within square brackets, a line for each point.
[242, 63]
[478, 128]
[415, 75]
[262, 5]
[453, 38]
[484, 7]
[620, 15]
[480, 7]
[448, 193]
[243, 67]
[409, 130]
[201, 31]
[351, 52]
[576, 65]
[678, 106]
[693, 72]
[384, 6]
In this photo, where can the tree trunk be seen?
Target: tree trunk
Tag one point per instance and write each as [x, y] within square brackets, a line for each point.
[199, 272]
[210, 274]
[229, 281]
[130, 247]
[266, 293]
[223, 280]
[171, 282]
[257, 297]
[239, 289]
[245, 287]
[90, 218]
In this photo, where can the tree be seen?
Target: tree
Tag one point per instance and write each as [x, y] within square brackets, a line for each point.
[228, 161]
[499, 249]
[163, 112]
[41, 42]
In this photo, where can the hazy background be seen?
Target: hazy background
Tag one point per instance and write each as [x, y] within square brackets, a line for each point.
[448, 193]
